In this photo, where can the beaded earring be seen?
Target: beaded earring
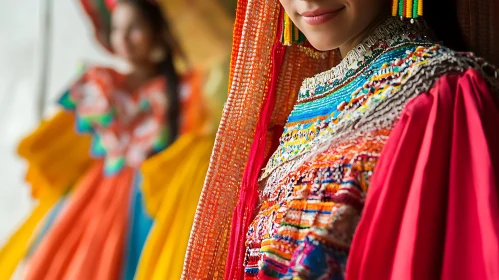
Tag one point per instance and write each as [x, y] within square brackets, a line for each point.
[290, 33]
[407, 8]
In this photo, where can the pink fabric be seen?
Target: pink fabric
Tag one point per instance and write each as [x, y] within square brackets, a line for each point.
[432, 208]
[248, 195]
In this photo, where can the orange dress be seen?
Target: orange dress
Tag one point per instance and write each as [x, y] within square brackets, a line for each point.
[86, 235]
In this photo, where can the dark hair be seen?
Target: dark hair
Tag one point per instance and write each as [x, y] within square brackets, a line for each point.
[153, 14]
[442, 17]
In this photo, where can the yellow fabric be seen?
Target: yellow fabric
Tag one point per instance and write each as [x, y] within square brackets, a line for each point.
[172, 182]
[205, 20]
[56, 157]
[215, 93]
[18, 245]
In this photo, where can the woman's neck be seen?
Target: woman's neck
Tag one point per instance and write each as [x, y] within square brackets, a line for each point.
[357, 39]
[140, 74]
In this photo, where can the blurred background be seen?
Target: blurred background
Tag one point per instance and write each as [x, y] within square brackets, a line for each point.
[39, 59]
[44, 43]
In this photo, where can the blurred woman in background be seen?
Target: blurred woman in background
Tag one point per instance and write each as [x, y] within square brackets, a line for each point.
[91, 221]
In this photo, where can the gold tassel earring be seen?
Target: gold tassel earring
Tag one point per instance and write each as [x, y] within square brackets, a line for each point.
[290, 33]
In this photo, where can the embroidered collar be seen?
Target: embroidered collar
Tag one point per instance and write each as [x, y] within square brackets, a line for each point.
[390, 34]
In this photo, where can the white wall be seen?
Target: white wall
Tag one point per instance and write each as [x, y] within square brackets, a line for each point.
[18, 26]
[20, 33]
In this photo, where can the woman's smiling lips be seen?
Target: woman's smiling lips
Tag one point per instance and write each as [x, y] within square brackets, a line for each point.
[320, 16]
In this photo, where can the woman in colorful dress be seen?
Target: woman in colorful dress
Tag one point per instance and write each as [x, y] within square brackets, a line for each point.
[91, 221]
[378, 147]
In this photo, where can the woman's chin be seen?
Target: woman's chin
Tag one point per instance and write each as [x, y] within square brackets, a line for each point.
[323, 43]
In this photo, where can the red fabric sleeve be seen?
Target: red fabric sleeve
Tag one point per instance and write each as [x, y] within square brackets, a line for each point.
[432, 208]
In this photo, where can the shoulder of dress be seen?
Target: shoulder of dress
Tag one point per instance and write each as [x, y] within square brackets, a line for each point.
[444, 60]
[437, 60]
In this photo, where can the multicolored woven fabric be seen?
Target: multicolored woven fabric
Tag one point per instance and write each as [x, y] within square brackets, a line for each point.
[250, 77]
